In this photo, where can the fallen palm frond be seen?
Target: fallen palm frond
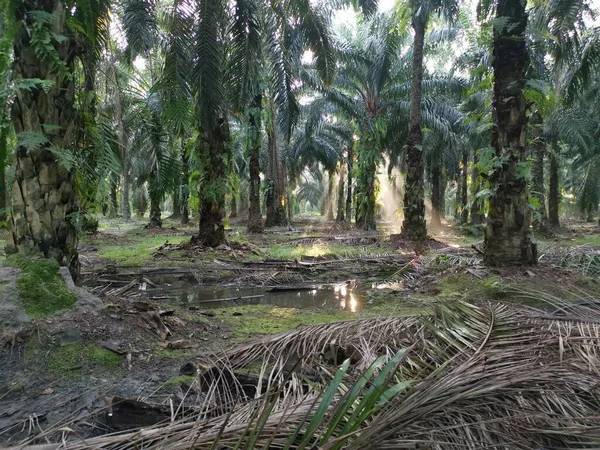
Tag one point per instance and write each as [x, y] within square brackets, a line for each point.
[584, 259]
[494, 376]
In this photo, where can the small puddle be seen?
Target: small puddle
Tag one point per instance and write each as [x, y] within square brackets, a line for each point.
[343, 296]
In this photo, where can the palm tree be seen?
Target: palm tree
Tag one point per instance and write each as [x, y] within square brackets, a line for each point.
[413, 225]
[44, 197]
[6, 40]
[372, 90]
[507, 236]
[558, 30]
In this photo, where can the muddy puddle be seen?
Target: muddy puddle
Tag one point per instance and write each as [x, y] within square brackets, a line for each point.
[347, 296]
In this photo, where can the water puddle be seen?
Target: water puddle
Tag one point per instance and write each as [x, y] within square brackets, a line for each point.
[345, 296]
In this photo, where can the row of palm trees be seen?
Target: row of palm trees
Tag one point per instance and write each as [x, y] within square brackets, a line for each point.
[218, 99]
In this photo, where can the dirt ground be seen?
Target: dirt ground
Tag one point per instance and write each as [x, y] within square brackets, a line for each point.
[149, 331]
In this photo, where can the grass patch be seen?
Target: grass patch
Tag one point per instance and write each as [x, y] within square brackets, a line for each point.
[176, 354]
[41, 288]
[74, 360]
[318, 249]
[470, 288]
[139, 249]
[267, 319]
[179, 380]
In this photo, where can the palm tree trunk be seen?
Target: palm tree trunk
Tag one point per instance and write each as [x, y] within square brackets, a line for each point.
[340, 197]
[435, 196]
[214, 154]
[125, 200]
[413, 225]
[476, 216]
[276, 214]
[114, 207]
[464, 199]
[507, 237]
[457, 199]
[368, 156]
[121, 138]
[349, 192]
[255, 223]
[443, 185]
[6, 42]
[154, 193]
[185, 189]
[234, 208]
[537, 176]
[43, 193]
[3, 156]
[553, 192]
[330, 194]
[176, 202]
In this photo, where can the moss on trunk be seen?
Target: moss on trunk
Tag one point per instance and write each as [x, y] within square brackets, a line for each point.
[414, 226]
[255, 221]
[214, 155]
[507, 237]
[44, 200]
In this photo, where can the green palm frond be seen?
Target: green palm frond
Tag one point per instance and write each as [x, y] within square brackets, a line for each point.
[245, 60]
[207, 73]
[139, 23]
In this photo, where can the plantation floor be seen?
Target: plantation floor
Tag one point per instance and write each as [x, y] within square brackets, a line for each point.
[167, 302]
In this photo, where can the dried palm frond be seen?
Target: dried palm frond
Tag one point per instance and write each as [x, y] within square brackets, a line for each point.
[495, 376]
[584, 259]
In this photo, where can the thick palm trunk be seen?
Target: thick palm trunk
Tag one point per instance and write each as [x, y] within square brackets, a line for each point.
[255, 223]
[507, 237]
[276, 214]
[330, 195]
[176, 202]
[121, 138]
[349, 191]
[125, 199]
[5, 51]
[368, 156]
[154, 193]
[214, 155]
[413, 225]
[435, 197]
[43, 193]
[114, 188]
[443, 185]
[464, 199]
[537, 176]
[476, 216]
[234, 208]
[3, 156]
[340, 197]
[185, 189]
[553, 192]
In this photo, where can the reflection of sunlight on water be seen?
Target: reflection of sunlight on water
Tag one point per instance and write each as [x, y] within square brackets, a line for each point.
[353, 303]
[346, 298]
[393, 285]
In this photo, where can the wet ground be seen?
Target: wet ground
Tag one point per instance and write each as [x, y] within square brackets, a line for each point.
[183, 303]
[344, 296]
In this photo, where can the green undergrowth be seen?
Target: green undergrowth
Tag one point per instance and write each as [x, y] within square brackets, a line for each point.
[247, 321]
[319, 250]
[138, 251]
[469, 287]
[73, 360]
[179, 380]
[42, 290]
